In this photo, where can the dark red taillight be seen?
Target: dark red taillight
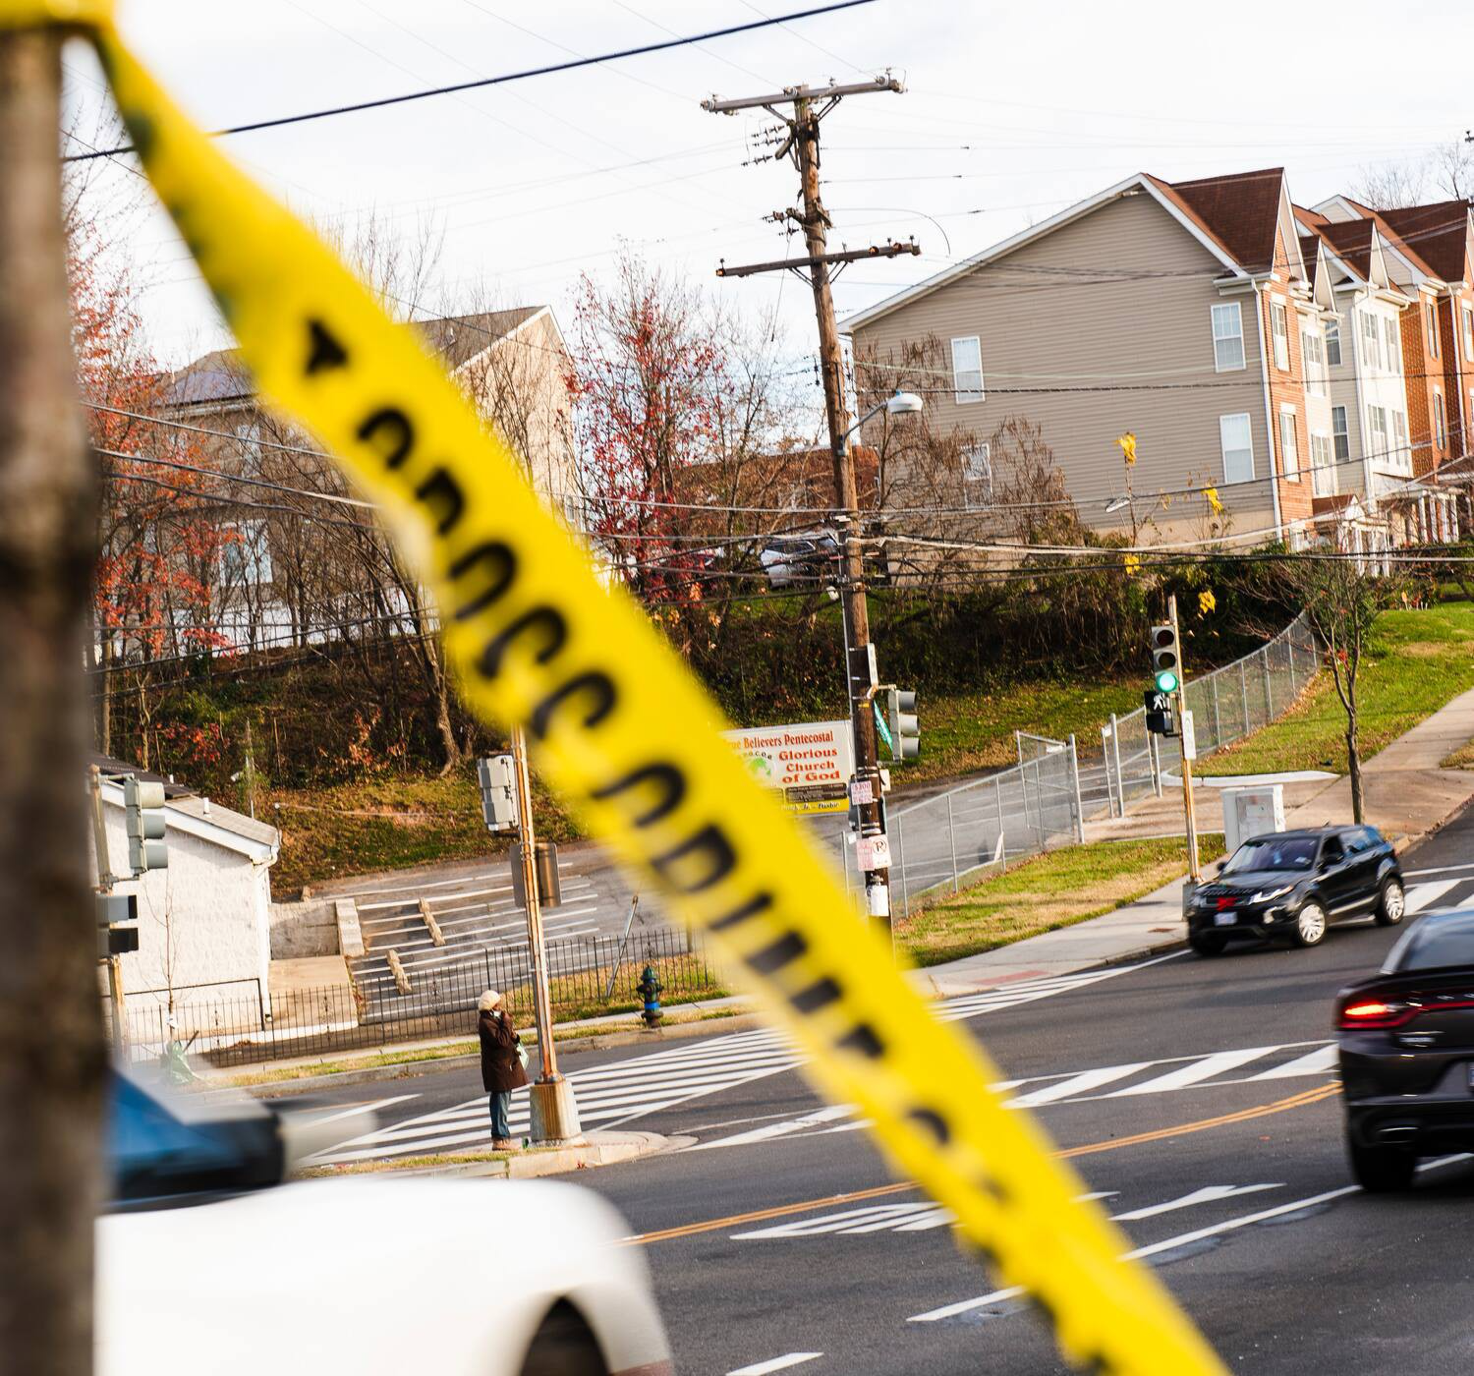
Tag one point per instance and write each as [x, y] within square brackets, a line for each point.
[1368, 1010]
[1377, 1013]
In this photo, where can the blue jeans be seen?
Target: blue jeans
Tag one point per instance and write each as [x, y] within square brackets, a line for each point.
[500, 1103]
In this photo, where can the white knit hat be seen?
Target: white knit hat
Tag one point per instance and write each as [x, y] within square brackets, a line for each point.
[489, 1001]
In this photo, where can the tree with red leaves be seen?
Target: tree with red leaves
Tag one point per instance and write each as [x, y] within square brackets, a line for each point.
[682, 410]
[158, 547]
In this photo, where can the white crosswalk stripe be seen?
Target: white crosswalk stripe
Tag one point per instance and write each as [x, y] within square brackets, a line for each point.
[617, 1093]
[1290, 1060]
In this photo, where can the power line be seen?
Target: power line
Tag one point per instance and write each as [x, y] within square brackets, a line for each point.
[571, 65]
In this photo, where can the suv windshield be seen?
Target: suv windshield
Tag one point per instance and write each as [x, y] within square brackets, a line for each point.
[1272, 853]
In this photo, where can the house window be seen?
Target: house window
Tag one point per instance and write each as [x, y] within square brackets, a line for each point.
[1377, 429]
[1228, 337]
[967, 370]
[1333, 343]
[1289, 446]
[1391, 335]
[1430, 314]
[1402, 456]
[1322, 474]
[1371, 340]
[245, 558]
[1440, 423]
[977, 471]
[1339, 434]
[1279, 326]
[1468, 314]
[1236, 438]
[1313, 351]
[248, 445]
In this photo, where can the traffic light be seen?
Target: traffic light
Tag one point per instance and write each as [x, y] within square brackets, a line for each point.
[143, 804]
[905, 726]
[498, 779]
[1166, 668]
[1159, 715]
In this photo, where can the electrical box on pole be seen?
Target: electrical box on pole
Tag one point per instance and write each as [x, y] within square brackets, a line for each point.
[545, 866]
[143, 807]
[497, 776]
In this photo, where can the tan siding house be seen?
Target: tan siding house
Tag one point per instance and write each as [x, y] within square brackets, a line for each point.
[1148, 308]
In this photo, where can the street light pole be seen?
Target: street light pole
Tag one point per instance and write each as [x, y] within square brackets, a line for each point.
[1189, 806]
[554, 1109]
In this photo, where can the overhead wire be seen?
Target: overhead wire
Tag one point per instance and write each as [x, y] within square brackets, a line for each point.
[504, 78]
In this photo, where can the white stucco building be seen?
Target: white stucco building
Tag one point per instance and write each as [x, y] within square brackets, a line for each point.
[205, 921]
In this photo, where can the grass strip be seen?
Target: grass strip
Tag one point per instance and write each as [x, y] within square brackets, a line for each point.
[1049, 891]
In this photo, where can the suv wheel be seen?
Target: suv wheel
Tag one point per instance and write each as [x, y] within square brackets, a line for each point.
[1206, 944]
[1381, 1170]
[1310, 924]
[1391, 903]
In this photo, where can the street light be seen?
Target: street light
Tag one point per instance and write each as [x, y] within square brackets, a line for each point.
[1117, 504]
[897, 404]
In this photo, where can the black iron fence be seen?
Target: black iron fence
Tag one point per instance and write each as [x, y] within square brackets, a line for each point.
[586, 978]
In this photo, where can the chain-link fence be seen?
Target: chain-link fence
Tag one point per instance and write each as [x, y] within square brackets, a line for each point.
[243, 1028]
[961, 832]
[1227, 705]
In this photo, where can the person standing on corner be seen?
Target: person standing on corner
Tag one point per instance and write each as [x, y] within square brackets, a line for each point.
[502, 1066]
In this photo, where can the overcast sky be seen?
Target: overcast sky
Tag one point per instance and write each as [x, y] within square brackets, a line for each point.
[1011, 112]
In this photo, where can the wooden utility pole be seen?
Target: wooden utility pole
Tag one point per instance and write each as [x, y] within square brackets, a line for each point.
[1189, 807]
[554, 1111]
[809, 106]
[52, 1052]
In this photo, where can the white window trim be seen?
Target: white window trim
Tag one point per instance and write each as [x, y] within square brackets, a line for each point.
[1466, 314]
[1345, 431]
[1431, 326]
[967, 396]
[1333, 329]
[1224, 450]
[1238, 317]
[1440, 418]
[1289, 452]
[1279, 332]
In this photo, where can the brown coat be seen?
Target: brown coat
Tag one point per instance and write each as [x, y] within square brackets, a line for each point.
[501, 1070]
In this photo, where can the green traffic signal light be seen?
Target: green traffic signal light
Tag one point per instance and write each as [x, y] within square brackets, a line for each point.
[1166, 681]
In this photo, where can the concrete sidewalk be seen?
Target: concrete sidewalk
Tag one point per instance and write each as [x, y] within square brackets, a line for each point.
[593, 1149]
[1407, 796]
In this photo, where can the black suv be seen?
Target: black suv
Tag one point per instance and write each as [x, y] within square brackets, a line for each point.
[1292, 884]
[1407, 1052]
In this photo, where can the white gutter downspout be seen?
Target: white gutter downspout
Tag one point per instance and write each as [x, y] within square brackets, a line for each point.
[1274, 482]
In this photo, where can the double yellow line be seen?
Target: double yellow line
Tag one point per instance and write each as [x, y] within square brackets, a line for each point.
[714, 1225]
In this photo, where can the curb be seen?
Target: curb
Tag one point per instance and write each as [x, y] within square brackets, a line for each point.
[598, 1149]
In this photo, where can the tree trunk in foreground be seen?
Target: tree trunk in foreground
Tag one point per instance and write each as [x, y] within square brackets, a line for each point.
[51, 1047]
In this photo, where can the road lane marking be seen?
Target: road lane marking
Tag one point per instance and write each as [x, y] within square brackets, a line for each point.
[1171, 1244]
[1318, 1062]
[924, 1216]
[1426, 895]
[368, 1106]
[1205, 1069]
[764, 1134]
[777, 1364]
[1082, 1083]
[900, 1187]
[1437, 869]
[1209, 1194]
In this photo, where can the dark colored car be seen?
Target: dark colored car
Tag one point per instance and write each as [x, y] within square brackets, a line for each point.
[1407, 1053]
[1290, 885]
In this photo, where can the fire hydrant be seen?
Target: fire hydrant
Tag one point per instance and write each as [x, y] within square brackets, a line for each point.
[649, 988]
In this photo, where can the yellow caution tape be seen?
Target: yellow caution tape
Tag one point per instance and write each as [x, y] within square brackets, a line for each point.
[627, 737]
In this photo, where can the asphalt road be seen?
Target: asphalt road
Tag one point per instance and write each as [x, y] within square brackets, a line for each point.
[1196, 1096]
